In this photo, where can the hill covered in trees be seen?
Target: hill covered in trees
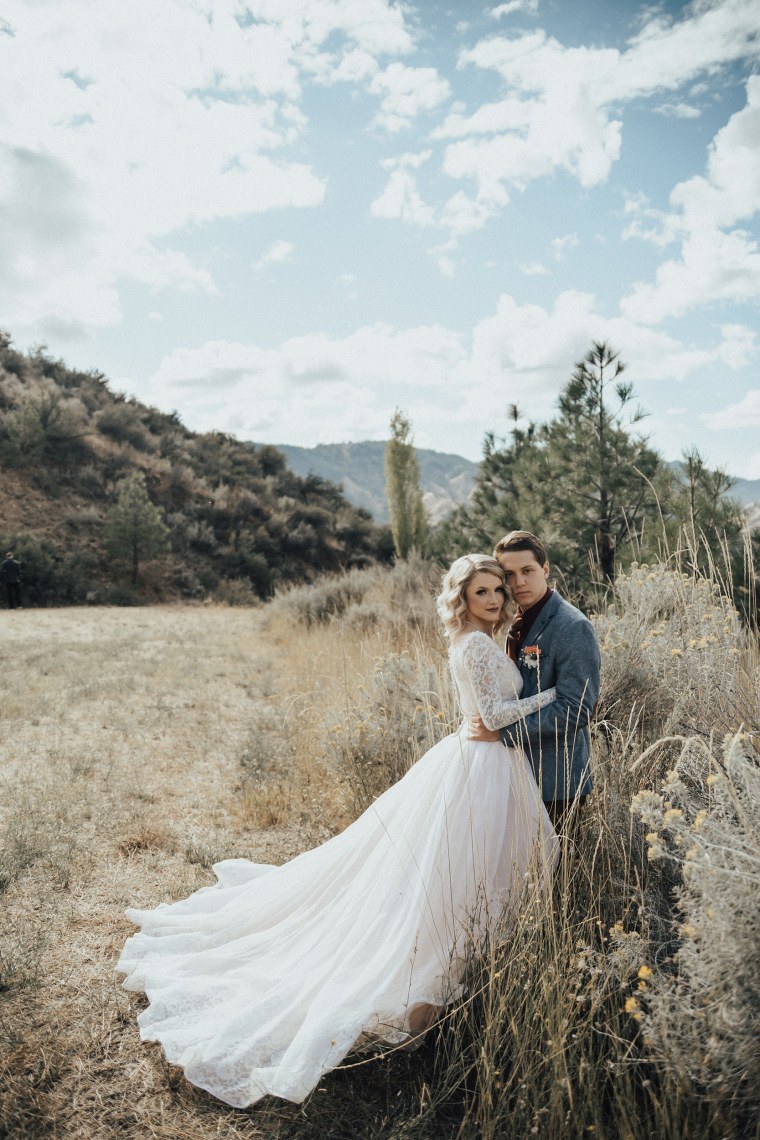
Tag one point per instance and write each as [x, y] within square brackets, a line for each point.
[80, 464]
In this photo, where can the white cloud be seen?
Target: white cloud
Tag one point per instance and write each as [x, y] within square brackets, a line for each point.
[461, 214]
[280, 394]
[401, 200]
[561, 104]
[744, 414]
[355, 67]
[454, 388]
[406, 92]
[678, 110]
[532, 348]
[412, 159]
[738, 346]
[124, 125]
[278, 252]
[512, 6]
[534, 269]
[751, 468]
[167, 269]
[714, 265]
[560, 245]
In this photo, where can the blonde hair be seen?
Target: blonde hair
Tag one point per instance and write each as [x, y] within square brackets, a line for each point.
[451, 604]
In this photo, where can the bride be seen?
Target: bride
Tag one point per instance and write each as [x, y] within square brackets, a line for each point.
[264, 981]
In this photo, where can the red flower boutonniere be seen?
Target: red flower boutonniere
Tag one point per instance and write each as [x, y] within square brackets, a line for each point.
[531, 656]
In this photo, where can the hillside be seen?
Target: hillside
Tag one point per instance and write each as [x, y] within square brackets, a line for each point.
[233, 512]
[747, 491]
[446, 480]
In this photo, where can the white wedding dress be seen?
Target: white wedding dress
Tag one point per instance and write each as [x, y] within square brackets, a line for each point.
[264, 981]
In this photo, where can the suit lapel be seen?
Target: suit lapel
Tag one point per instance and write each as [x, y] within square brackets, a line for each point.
[530, 676]
[543, 619]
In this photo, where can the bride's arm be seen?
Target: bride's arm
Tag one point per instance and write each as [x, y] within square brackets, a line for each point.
[481, 657]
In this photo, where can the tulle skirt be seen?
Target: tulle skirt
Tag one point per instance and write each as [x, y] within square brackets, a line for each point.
[264, 981]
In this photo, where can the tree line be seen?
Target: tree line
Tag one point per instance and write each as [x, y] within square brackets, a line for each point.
[589, 482]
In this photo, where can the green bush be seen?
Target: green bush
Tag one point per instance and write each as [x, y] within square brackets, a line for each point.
[121, 423]
[51, 577]
[235, 592]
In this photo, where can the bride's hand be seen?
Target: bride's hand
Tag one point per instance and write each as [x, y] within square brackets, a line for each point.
[476, 730]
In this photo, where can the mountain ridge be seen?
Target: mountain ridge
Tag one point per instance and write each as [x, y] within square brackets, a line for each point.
[446, 479]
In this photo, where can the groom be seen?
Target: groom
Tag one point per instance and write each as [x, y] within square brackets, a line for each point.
[552, 643]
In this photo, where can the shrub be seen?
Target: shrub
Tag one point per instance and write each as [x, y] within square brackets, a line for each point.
[51, 576]
[671, 646]
[121, 422]
[401, 714]
[235, 592]
[366, 596]
[700, 1009]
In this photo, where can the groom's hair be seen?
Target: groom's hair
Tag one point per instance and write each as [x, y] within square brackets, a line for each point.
[522, 540]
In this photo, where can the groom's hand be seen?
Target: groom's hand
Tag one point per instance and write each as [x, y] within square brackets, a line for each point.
[476, 730]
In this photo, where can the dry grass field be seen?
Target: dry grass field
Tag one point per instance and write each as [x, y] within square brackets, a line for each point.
[141, 745]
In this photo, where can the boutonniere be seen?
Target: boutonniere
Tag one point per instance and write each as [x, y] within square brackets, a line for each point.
[531, 656]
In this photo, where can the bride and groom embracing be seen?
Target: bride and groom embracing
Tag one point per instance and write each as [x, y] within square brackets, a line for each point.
[264, 981]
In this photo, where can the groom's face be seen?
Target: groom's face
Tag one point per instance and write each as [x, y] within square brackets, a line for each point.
[526, 577]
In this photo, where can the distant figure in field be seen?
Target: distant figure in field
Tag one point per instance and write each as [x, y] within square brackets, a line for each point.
[10, 575]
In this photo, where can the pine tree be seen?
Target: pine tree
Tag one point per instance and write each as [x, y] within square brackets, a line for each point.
[135, 529]
[595, 476]
[582, 481]
[700, 514]
[402, 488]
[596, 492]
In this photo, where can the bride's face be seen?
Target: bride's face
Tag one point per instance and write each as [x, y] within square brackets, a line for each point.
[485, 598]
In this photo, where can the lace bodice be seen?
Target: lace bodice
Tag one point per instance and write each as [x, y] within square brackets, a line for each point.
[489, 683]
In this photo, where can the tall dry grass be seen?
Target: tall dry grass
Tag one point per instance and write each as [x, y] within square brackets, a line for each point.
[140, 746]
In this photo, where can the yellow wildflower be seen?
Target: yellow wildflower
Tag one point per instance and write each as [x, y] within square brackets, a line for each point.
[676, 653]
[700, 818]
[671, 815]
[632, 1006]
[644, 973]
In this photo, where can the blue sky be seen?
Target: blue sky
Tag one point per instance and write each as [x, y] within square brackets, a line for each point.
[285, 218]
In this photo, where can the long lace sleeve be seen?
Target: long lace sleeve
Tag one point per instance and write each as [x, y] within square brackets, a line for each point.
[486, 669]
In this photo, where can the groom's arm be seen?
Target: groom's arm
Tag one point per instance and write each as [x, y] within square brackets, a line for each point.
[577, 667]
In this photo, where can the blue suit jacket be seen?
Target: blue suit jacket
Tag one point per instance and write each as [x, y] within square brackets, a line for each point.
[556, 739]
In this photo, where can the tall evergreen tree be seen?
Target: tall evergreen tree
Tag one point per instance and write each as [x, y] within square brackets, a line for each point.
[582, 481]
[595, 490]
[402, 488]
[135, 529]
[595, 476]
